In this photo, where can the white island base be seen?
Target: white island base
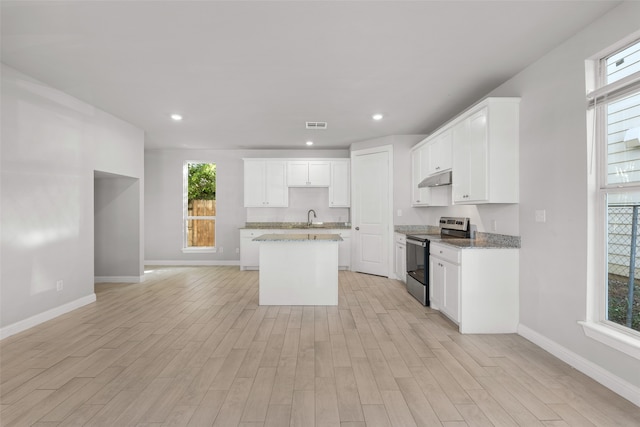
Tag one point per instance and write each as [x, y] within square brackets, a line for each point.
[298, 271]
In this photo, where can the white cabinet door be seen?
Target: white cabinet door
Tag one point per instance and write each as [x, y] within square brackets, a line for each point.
[436, 283]
[276, 190]
[470, 159]
[297, 173]
[265, 184]
[485, 154]
[461, 160]
[439, 153]
[344, 252]
[340, 187]
[250, 250]
[401, 262]
[319, 173]
[440, 196]
[478, 156]
[451, 294]
[418, 173]
[309, 173]
[254, 189]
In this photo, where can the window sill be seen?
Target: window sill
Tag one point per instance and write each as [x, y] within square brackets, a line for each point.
[612, 337]
[199, 250]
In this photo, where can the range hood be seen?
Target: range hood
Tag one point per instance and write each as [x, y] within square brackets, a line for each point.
[443, 178]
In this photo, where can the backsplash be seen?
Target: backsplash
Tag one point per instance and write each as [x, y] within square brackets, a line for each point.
[300, 201]
[417, 229]
[501, 239]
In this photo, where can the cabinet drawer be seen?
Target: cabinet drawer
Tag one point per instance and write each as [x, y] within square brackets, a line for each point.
[445, 252]
[401, 238]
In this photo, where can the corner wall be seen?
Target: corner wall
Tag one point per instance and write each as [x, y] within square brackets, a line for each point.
[51, 145]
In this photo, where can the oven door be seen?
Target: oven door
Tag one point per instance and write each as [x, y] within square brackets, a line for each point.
[418, 270]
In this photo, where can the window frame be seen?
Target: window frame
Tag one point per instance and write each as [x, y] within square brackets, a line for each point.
[596, 325]
[185, 212]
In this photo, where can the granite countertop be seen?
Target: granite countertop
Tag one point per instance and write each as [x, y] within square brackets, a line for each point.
[482, 240]
[298, 238]
[296, 226]
[473, 243]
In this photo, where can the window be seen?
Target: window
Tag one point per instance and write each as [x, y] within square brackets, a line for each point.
[615, 110]
[199, 206]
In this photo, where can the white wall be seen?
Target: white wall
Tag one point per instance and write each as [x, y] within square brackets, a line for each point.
[51, 145]
[553, 176]
[117, 228]
[163, 198]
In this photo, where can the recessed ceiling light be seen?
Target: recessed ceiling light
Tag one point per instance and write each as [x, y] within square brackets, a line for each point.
[377, 116]
[309, 142]
[176, 117]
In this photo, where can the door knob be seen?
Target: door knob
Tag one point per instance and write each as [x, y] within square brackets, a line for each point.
[357, 228]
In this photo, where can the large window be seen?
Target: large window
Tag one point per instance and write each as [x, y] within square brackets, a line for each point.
[199, 203]
[615, 107]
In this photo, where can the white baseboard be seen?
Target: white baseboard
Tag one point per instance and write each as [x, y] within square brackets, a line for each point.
[118, 279]
[604, 377]
[190, 262]
[32, 321]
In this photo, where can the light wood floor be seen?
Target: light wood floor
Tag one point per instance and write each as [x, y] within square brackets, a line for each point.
[190, 346]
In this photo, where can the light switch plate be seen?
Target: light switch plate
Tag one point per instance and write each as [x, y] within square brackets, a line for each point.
[541, 215]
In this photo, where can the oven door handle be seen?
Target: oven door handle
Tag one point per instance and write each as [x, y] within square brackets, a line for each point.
[417, 242]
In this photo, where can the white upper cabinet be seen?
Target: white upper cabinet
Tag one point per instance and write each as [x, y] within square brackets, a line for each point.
[309, 173]
[265, 183]
[486, 153]
[419, 196]
[419, 170]
[439, 153]
[481, 148]
[340, 187]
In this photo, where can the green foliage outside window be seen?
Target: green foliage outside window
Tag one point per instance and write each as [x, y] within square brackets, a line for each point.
[202, 181]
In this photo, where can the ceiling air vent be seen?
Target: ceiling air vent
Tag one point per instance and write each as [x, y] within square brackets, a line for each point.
[316, 125]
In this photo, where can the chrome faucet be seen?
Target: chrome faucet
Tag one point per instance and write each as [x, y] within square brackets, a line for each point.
[309, 216]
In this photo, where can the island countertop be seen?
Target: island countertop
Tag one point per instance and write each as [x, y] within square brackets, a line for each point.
[298, 237]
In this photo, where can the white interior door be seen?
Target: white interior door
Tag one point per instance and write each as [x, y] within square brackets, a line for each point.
[372, 208]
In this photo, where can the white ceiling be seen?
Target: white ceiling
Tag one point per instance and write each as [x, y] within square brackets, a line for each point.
[249, 74]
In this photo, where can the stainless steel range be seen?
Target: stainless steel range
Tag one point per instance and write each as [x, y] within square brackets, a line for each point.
[418, 254]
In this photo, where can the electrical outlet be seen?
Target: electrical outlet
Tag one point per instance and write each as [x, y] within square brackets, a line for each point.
[399, 212]
[221, 249]
[494, 225]
[541, 215]
[59, 285]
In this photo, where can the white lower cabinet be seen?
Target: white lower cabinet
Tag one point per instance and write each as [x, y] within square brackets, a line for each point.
[250, 250]
[344, 249]
[475, 288]
[400, 251]
[444, 272]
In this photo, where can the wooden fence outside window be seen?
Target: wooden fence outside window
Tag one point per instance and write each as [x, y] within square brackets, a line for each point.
[201, 232]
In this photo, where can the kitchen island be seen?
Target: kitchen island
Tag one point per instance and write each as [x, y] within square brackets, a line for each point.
[298, 269]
